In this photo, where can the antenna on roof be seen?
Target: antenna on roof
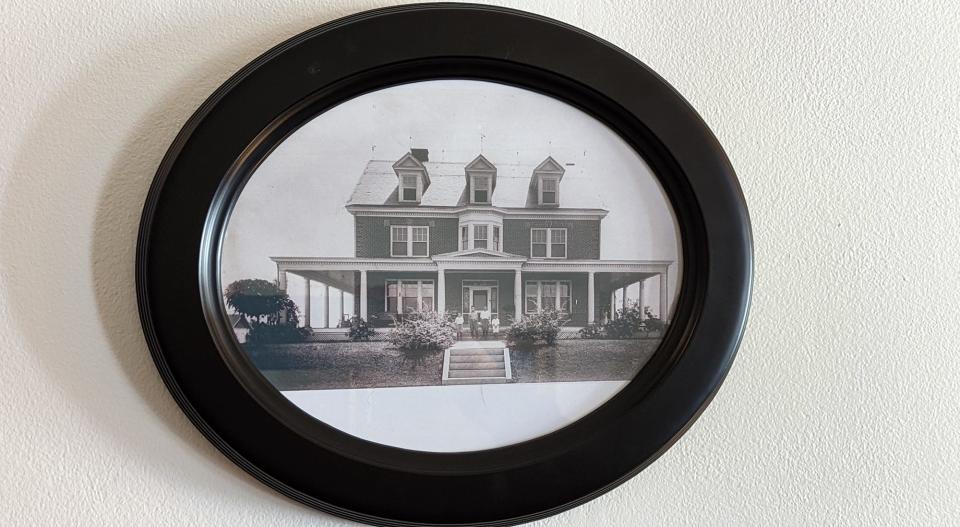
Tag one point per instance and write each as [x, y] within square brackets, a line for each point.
[373, 149]
[481, 139]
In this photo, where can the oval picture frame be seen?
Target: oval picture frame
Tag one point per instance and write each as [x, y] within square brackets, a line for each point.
[200, 177]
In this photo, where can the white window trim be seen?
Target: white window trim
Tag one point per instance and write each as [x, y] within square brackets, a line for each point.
[471, 245]
[473, 188]
[409, 229]
[556, 302]
[566, 242]
[400, 281]
[400, 188]
[540, 190]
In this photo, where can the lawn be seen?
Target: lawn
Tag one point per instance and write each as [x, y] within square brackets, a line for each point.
[332, 365]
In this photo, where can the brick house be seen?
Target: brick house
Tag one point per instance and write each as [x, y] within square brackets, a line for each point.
[451, 236]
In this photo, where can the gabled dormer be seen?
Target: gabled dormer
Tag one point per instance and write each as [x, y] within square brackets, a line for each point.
[412, 176]
[546, 182]
[481, 181]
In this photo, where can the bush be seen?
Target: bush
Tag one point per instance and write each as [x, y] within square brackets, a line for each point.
[543, 326]
[423, 331]
[652, 323]
[276, 333]
[592, 331]
[360, 330]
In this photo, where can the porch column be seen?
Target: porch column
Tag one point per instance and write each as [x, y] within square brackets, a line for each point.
[625, 297]
[306, 306]
[341, 309]
[281, 279]
[363, 295]
[663, 296]
[441, 291]
[640, 297]
[517, 295]
[326, 305]
[613, 304]
[590, 299]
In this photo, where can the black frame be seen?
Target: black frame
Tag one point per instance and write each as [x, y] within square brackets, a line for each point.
[233, 406]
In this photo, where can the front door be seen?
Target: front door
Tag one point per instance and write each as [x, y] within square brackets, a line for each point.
[480, 298]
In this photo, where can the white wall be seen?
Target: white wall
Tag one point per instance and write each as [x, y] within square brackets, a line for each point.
[842, 121]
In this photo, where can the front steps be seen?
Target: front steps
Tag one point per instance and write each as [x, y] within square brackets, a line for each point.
[476, 362]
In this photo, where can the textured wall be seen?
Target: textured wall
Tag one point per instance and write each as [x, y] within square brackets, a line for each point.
[583, 236]
[373, 234]
[841, 118]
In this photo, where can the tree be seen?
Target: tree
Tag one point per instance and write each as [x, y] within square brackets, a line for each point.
[257, 299]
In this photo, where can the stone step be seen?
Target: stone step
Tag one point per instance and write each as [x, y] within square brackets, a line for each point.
[476, 380]
[469, 374]
[476, 358]
[462, 366]
[475, 351]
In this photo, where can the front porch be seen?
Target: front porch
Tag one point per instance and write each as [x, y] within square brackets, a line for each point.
[509, 286]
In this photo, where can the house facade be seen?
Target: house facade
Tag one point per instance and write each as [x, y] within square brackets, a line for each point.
[458, 236]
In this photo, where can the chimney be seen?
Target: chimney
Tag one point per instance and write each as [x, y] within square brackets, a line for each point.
[422, 154]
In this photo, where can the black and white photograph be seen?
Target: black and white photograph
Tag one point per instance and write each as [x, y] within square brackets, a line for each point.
[450, 265]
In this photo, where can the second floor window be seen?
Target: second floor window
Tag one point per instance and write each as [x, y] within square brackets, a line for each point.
[548, 243]
[480, 237]
[409, 240]
[480, 189]
[409, 188]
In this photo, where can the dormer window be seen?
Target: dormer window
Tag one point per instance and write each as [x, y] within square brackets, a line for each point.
[481, 180]
[549, 190]
[480, 189]
[410, 188]
[545, 184]
[412, 177]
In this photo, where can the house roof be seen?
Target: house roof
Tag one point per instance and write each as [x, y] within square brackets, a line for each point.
[378, 186]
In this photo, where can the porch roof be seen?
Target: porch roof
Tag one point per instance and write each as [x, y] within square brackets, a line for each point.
[472, 259]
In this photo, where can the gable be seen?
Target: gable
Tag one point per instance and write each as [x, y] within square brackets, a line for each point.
[549, 166]
[410, 162]
[480, 164]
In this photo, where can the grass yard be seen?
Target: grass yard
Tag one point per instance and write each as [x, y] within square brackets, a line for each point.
[339, 365]
[582, 360]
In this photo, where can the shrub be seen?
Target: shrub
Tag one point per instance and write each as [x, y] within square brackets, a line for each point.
[652, 323]
[261, 333]
[543, 326]
[360, 330]
[592, 331]
[423, 331]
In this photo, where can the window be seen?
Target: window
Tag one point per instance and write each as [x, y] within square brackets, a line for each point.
[548, 243]
[547, 294]
[480, 189]
[548, 190]
[410, 187]
[408, 296]
[409, 240]
[480, 237]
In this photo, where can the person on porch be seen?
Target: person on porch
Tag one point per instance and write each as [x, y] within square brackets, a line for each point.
[485, 322]
[495, 325]
[459, 323]
[474, 322]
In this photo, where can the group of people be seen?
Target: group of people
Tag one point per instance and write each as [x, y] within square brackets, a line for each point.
[480, 321]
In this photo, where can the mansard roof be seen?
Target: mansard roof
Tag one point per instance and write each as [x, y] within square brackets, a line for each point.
[378, 185]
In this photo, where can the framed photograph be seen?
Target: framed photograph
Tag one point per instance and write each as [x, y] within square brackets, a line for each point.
[474, 273]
